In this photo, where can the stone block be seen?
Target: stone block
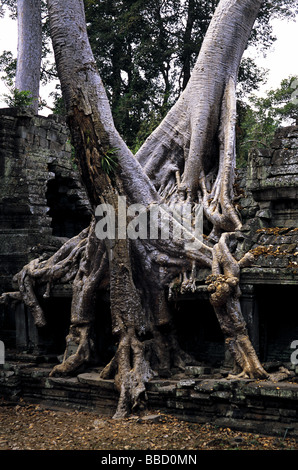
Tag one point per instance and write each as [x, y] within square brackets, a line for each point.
[167, 390]
[54, 146]
[43, 143]
[93, 378]
[186, 384]
[205, 386]
[52, 135]
[289, 413]
[197, 371]
[264, 214]
[22, 132]
[199, 396]
[222, 395]
[15, 243]
[182, 393]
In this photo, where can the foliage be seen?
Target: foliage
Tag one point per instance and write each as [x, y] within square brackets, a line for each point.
[109, 161]
[11, 5]
[259, 119]
[8, 66]
[284, 101]
[256, 130]
[8, 63]
[58, 101]
[250, 78]
[19, 99]
[145, 51]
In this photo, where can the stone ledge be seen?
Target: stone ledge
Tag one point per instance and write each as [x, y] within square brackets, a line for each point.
[270, 276]
[246, 405]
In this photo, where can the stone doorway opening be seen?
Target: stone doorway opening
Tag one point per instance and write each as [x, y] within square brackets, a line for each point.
[278, 321]
[198, 331]
[70, 215]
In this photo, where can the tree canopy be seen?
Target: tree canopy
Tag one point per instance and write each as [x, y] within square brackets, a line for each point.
[146, 51]
[262, 115]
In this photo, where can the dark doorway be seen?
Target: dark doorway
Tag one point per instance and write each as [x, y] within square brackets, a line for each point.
[69, 216]
[278, 321]
[198, 331]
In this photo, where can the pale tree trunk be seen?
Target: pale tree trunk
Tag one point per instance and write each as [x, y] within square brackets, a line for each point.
[29, 48]
[198, 134]
[190, 158]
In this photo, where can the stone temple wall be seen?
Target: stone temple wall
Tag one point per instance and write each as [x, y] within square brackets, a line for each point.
[41, 198]
[272, 178]
[267, 204]
[270, 226]
[42, 201]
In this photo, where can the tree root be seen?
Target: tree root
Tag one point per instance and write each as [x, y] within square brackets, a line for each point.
[131, 371]
[280, 375]
[245, 358]
[91, 272]
[218, 196]
[223, 286]
[62, 267]
[10, 297]
[79, 349]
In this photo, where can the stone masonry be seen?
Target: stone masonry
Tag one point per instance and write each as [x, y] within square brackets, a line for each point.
[42, 202]
[41, 198]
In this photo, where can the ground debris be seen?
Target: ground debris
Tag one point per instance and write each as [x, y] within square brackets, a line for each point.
[29, 427]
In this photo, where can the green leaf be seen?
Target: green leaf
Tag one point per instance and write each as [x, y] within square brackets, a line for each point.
[19, 99]
[109, 161]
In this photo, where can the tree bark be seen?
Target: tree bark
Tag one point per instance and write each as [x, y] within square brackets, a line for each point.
[190, 136]
[29, 48]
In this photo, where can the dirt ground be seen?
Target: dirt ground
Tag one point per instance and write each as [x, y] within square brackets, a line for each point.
[25, 426]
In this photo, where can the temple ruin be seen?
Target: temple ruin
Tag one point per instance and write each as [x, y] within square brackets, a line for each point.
[42, 203]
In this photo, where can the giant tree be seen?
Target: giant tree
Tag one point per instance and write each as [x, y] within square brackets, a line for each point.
[189, 160]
